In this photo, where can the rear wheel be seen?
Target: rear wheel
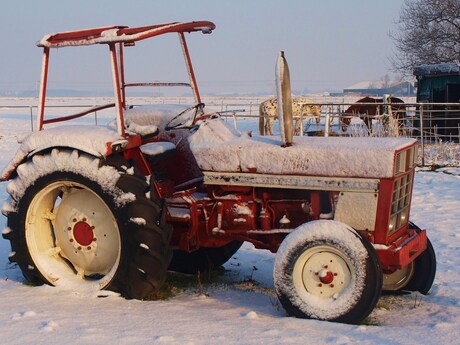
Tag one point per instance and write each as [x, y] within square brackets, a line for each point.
[87, 224]
[398, 279]
[417, 276]
[424, 271]
[325, 270]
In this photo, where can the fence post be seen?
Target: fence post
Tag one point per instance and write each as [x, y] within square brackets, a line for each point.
[31, 119]
[301, 119]
[422, 139]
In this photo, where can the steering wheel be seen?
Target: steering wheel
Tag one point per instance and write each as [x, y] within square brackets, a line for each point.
[185, 119]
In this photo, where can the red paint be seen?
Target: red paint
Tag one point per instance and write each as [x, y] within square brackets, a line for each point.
[327, 278]
[83, 233]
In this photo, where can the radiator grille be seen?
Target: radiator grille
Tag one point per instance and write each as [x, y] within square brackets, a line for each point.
[400, 203]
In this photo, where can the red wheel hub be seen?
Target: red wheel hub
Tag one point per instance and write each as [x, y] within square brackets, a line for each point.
[326, 277]
[83, 233]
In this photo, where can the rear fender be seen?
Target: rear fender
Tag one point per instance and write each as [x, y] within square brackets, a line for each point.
[96, 141]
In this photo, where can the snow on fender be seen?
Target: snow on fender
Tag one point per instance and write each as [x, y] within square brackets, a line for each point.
[325, 270]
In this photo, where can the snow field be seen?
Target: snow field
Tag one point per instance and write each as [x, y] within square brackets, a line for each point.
[240, 308]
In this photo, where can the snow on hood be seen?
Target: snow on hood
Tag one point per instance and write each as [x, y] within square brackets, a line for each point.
[92, 140]
[216, 147]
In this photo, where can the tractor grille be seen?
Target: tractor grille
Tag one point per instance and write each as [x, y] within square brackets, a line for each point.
[399, 216]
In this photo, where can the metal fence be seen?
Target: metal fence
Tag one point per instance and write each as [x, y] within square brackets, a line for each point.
[434, 124]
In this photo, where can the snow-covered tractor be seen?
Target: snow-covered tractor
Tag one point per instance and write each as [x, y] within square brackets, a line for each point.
[174, 188]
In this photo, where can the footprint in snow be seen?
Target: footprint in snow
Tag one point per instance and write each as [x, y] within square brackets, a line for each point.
[49, 326]
[342, 340]
[443, 325]
[252, 315]
[165, 339]
[21, 315]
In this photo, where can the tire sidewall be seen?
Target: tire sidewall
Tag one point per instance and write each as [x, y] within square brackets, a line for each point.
[424, 271]
[356, 301]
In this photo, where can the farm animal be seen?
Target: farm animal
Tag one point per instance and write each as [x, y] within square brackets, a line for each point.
[368, 108]
[301, 107]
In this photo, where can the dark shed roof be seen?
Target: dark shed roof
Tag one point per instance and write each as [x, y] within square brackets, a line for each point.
[437, 69]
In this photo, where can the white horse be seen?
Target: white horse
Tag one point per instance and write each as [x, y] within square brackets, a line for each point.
[301, 108]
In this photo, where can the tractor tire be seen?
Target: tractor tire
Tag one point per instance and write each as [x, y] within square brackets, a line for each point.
[417, 276]
[325, 270]
[203, 259]
[87, 224]
[424, 272]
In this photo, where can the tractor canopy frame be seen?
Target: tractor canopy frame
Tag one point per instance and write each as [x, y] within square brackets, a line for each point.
[117, 37]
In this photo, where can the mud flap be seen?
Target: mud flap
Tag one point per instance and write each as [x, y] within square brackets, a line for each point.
[283, 94]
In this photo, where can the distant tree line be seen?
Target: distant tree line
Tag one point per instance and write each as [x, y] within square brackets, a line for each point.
[428, 32]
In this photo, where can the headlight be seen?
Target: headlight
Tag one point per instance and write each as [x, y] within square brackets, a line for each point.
[405, 160]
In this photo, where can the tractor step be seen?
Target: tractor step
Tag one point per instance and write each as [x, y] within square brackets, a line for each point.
[157, 151]
[178, 214]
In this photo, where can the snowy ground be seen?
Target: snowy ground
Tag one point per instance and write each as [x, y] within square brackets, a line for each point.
[238, 307]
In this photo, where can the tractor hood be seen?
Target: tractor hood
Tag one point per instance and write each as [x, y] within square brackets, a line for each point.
[218, 148]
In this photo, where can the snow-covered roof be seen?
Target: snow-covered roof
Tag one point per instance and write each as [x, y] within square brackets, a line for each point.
[374, 84]
[366, 85]
[437, 69]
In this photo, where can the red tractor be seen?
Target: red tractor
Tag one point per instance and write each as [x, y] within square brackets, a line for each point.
[174, 188]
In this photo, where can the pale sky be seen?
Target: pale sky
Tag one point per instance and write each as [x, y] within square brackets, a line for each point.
[329, 44]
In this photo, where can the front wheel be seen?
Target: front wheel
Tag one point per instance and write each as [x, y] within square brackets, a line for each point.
[325, 270]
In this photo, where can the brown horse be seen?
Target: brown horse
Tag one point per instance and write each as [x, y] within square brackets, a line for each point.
[368, 108]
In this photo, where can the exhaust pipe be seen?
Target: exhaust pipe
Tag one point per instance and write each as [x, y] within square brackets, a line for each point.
[283, 95]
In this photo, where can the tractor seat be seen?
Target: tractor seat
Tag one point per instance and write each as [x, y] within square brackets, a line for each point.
[157, 151]
[155, 114]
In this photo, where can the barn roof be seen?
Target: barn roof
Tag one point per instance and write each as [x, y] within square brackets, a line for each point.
[437, 69]
[376, 84]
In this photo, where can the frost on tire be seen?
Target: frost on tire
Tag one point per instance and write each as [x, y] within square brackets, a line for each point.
[70, 220]
[325, 270]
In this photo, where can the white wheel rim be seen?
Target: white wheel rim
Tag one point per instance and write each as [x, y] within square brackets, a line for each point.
[398, 279]
[322, 271]
[72, 236]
